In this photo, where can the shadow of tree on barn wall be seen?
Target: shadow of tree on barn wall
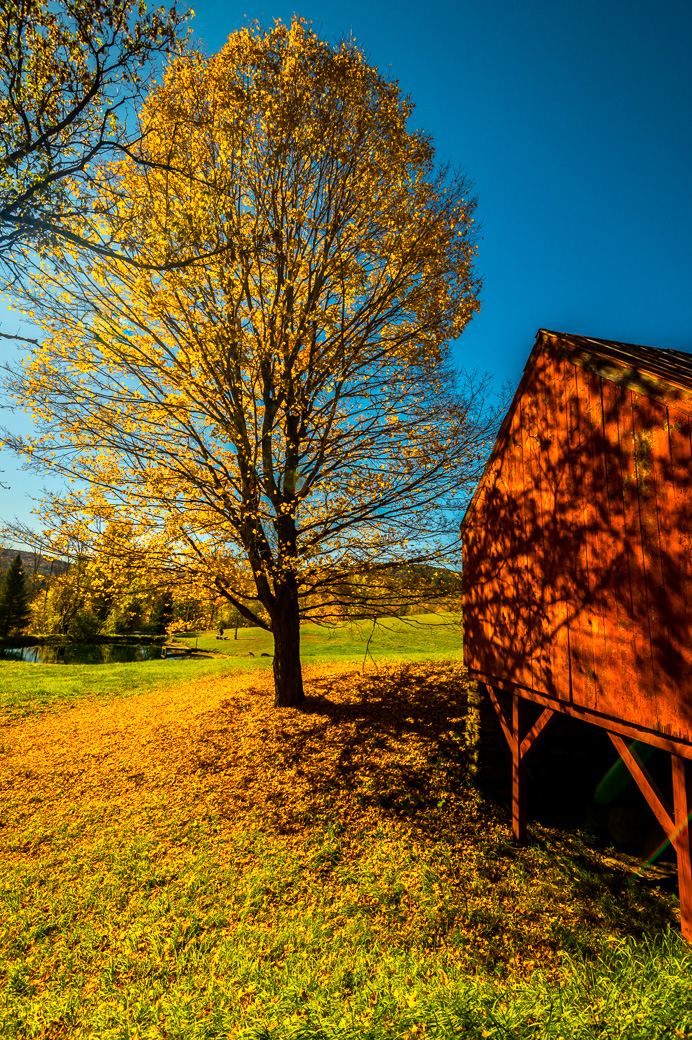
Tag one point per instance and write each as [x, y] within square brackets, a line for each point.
[577, 549]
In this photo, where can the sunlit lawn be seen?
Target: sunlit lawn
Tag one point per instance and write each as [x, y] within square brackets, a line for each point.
[28, 688]
[405, 639]
[192, 863]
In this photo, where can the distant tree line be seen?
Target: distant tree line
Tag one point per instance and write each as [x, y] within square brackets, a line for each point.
[82, 600]
[88, 598]
[14, 598]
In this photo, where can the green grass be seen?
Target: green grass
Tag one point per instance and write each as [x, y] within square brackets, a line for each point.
[27, 688]
[418, 638]
[193, 864]
[200, 938]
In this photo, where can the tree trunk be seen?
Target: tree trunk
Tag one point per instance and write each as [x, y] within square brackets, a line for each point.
[288, 674]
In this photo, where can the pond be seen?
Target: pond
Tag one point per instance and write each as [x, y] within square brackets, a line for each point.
[89, 653]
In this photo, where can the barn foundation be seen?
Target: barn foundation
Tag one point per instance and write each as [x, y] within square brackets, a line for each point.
[521, 739]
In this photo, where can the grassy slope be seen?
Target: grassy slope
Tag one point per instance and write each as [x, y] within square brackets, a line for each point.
[409, 639]
[192, 863]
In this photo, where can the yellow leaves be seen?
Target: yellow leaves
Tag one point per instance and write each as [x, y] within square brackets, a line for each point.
[223, 742]
[381, 915]
[305, 345]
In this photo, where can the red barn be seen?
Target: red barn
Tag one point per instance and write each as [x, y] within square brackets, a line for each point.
[577, 550]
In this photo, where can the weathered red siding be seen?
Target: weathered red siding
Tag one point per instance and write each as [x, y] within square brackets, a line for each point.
[577, 549]
[577, 553]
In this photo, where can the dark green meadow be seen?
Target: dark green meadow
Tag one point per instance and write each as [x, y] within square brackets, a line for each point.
[179, 859]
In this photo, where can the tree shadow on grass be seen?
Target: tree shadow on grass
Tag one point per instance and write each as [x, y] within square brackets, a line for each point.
[385, 740]
[389, 749]
[397, 739]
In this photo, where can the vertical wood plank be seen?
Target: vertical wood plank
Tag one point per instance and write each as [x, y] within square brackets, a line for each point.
[682, 802]
[518, 772]
[528, 511]
[509, 550]
[595, 521]
[558, 541]
[673, 473]
[649, 421]
[472, 599]
[523, 664]
[554, 658]
[639, 704]
[534, 438]
[561, 537]
[478, 647]
[580, 629]
[485, 534]
[617, 592]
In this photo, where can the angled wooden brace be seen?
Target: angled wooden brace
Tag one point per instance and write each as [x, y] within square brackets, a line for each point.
[675, 822]
[520, 744]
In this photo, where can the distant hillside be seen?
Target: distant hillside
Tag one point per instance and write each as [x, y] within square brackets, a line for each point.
[34, 564]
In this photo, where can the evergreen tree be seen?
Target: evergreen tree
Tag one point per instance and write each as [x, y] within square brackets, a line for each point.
[163, 612]
[14, 598]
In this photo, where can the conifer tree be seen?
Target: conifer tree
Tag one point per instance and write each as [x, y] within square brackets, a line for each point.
[163, 612]
[14, 598]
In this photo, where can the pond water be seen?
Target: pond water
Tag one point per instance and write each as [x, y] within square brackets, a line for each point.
[89, 653]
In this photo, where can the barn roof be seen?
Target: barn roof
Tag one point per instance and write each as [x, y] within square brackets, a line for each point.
[646, 369]
[653, 371]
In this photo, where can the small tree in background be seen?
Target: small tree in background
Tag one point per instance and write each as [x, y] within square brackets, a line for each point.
[163, 612]
[14, 599]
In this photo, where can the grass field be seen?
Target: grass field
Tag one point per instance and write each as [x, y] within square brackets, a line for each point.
[185, 861]
[28, 688]
[406, 639]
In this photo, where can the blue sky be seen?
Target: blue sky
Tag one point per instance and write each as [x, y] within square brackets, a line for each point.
[574, 123]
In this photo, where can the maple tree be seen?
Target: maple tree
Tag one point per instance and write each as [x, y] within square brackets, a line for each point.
[280, 424]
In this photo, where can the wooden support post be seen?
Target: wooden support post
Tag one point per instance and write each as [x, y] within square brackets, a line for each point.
[675, 822]
[645, 783]
[682, 802]
[518, 771]
[537, 730]
[520, 744]
[501, 716]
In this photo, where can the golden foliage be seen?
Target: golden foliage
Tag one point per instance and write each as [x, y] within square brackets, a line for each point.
[67, 72]
[281, 419]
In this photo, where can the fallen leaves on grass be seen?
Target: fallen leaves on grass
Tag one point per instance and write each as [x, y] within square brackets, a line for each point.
[369, 777]
[361, 744]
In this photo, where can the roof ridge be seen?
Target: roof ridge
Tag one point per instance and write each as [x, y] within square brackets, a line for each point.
[660, 364]
[571, 336]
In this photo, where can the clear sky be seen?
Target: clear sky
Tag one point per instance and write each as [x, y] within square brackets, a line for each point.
[574, 122]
